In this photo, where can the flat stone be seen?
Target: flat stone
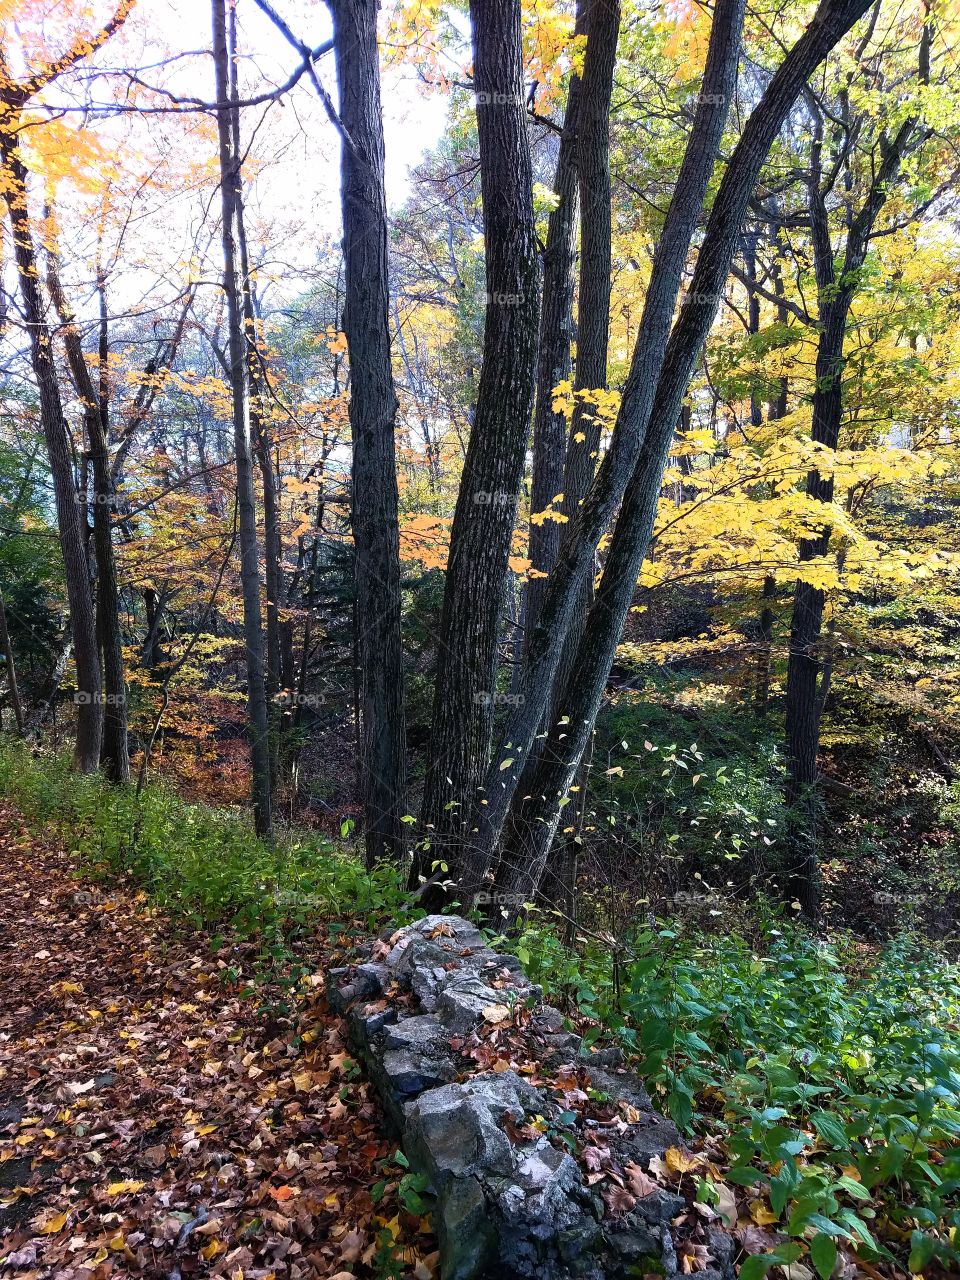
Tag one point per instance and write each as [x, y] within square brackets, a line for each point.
[461, 1003]
[415, 1033]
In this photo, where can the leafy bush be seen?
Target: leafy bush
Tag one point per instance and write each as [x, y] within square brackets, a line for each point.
[831, 1076]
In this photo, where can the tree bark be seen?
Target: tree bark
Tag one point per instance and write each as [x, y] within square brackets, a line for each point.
[583, 695]
[114, 745]
[483, 523]
[554, 347]
[373, 411]
[805, 667]
[232, 214]
[68, 501]
[602, 24]
[588, 525]
[7, 649]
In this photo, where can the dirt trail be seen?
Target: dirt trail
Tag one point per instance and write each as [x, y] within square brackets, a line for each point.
[153, 1122]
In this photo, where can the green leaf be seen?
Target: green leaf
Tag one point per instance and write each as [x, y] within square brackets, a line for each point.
[922, 1249]
[756, 1267]
[823, 1254]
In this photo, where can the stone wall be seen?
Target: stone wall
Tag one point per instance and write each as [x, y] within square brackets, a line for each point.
[534, 1147]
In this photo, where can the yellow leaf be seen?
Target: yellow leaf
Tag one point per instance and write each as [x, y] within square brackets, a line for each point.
[678, 1161]
[53, 1225]
[761, 1215]
[122, 1188]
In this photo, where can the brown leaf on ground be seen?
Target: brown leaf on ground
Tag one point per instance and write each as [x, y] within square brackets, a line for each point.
[154, 1119]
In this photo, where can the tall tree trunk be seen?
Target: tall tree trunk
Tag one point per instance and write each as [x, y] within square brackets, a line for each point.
[232, 214]
[483, 523]
[776, 409]
[588, 525]
[583, 695]
[6, 648]
[69, 505]
[373, 411]
[602, 23]
[554, 359]
[835, 291]
[114, 745]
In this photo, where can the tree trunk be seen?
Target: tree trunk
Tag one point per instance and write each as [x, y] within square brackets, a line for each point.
[602, 23]
[232, 213]
[114, 745]
[553, 359]
[69, 504]
[804, 702]
[588, 525]
[583, 695]
[7, 649]
[483, 523]
[373, 411]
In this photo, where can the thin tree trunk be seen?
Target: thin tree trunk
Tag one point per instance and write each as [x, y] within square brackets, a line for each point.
[590, 522]
[602, 24]
[554, 360]
[7, 648]
[69, 505]
[483, 523]
[232, 213]
[114, 745]
[373, 412]
[804, 701]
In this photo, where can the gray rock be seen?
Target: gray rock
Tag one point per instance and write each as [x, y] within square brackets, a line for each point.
[720, 1244]
[455, 1132]
[462, 1001]
[468, 1239]
[420, 1033]
[660, 1207]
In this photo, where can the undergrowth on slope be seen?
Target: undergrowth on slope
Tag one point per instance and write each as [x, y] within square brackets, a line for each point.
[204, 866]
[827, 1076]
[823, 1078]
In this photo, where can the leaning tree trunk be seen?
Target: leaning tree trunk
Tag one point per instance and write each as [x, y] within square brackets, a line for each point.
[69, 506]
[588, 524]
[583, 695]
[602, 23]
[483, 523]
[373, 412]
[232, 213]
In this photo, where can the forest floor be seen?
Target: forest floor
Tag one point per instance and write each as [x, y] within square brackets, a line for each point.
[156, 1120]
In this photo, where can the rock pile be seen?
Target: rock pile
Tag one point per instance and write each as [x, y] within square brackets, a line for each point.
[512, 1200]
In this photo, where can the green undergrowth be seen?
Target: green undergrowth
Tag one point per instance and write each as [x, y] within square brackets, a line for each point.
[829, 1074]
[204, 866]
